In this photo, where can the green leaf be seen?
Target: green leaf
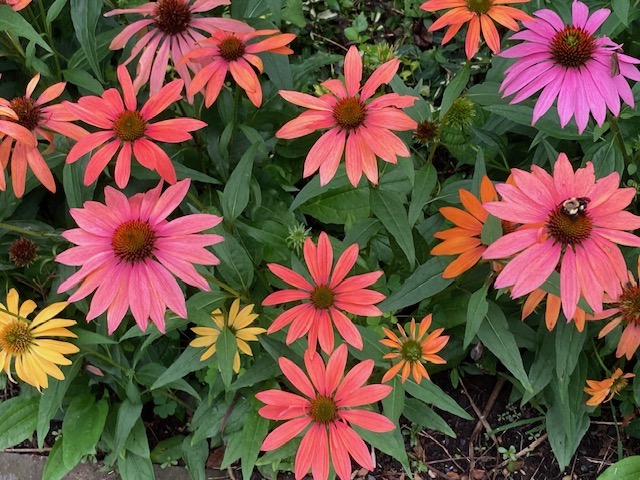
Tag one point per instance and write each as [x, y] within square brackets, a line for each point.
[73, 183]
[621, 9]
[454, 89]
[168, 450]
[388, 207]
[393, 404]
[236, 192]
[226, 350]
[187, 362]
[569, 343]
[79, 435]
[195, 457]
[491, 230]
[84, 16]
[235, 264]
[425, 181]
[420, 414]
[476, 311]
[278, 69]
[362, 232]
[423, 283]
[83, 79]
[128, 414]
[18, 420]
[541, 371]
[135, 467]
[55, 469]
[340, 206]
[626, 469]
[263, 369]
[254, 431]
[431, 394]
[55, 9]
[390, 443]
[293, 13]
[12, 22]
[494, 333]
[137, 442]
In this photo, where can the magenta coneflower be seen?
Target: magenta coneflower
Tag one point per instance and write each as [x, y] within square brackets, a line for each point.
[569, 63]
[325, 298]
[174, 28]
[125, 128]
[128, 252]
[327, 405]
[23, 120]
[569, 219]
[358, 127]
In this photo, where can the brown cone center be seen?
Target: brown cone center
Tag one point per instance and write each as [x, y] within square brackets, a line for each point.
[323, 409]
[172, 16]
[572, 47]
[129, 126]
[568, 228]
[231, 48]
[322, 297]
[15, 337]
[133, 241]
[350, 113]
[28, 112]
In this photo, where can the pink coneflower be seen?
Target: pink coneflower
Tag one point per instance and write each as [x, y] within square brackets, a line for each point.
[569, 63]
[123, 125]
[480, 14]
[568, 219]
[359, 128]
[325, 297]
[24, 119]
[230, 52]
[327, 405]
[16, 5]
[173, 30]
[128, 251]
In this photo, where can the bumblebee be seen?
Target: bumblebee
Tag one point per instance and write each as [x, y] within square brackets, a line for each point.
[573, 206]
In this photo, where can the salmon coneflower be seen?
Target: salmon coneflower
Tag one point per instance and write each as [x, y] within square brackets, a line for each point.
[414, 350]
[480, 14]
[327, 406]
[325, 297]
[604, 390]
[126, 128]
[35, 355]
[23, 120]
[568, 219]
[358, 127]
[231, 52]
[173, 29]
[570, 63]
[128, 251]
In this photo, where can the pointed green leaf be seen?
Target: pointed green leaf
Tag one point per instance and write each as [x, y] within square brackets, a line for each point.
[18, 420]
[236, 192]
[388, 208]
[80, 436]
[226, 350]
[431, 394]
[85, 17]
[476, 311]
[12, 22]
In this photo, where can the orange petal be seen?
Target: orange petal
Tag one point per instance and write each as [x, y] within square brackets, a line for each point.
[461, 218]
[454, 246]
[463, 263]
[473, 205]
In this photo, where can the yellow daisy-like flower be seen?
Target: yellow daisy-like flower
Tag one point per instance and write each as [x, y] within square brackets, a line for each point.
[604, 390]
[238, 322]
[414, 350]
[36, 356]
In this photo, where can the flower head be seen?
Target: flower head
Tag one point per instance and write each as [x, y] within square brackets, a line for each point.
[570, 63]
[329, 396]
[173, 29]
[126, 128]
[414, 350]
[480, 14]
[238, 322]
[23, 252]
[233, 52]
[568, 219]
[22, 121]
[128, 252]
[609, 386]
[464, 239]
[625, 310]
[26, 342]
[552, 311]
[16, 5]
[325, 297]
[358, 126]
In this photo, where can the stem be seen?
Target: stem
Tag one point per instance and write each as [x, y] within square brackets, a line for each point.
[617, 135]
[28, 232]
[600, 359]
[16, 44]
[47, 27]
[615, 423]
[24, 319]
[105, 359]
[222, 285]
[432, 153]
[197, 201]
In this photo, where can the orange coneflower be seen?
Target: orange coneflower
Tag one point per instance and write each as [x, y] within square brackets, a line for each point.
[609, 386]
[480, 14]
[414, 349]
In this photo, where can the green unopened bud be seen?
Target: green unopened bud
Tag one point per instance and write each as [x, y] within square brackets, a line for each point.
[297, 235]
[461, 113]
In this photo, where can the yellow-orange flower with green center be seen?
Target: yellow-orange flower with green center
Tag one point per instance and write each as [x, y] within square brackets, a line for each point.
[413, 350]
[27, 342]
[238, 322]
[604, 390]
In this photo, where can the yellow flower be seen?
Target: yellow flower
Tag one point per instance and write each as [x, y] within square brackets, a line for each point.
[36, 357]
[238, 322]
[413, 350]
[609, 386]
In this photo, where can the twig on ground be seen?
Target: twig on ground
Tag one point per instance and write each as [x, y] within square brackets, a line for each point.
[453, 460]
[535, 444]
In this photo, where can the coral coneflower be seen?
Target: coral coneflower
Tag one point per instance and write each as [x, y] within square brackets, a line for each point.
[604, 390]
[327, 407]
[414, 350]
[173, 28]
[325, 298]
[238, 323]
[358, 126]
[570, 63]
[235, 53]
[128, 252]
[568, 219]
[126, 128]
[480, 14]
[35, 355]
[23, 120]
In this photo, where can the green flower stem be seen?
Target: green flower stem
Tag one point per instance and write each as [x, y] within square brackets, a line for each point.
[599, 359]
[432, 153]
[617, 136]
[4, 310]
[197, 201]
[49, 32]
[222, 285]
[28, 232]
[106, 359]
[615, 423]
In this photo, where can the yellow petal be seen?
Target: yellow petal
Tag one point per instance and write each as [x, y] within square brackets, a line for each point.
[48, 313]
[206, 331]
[202, 342]
[65, 348]
[208, 353]
[236, 362]
[244, 347]
[12, 301]
[51, 356]
[27, 308]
